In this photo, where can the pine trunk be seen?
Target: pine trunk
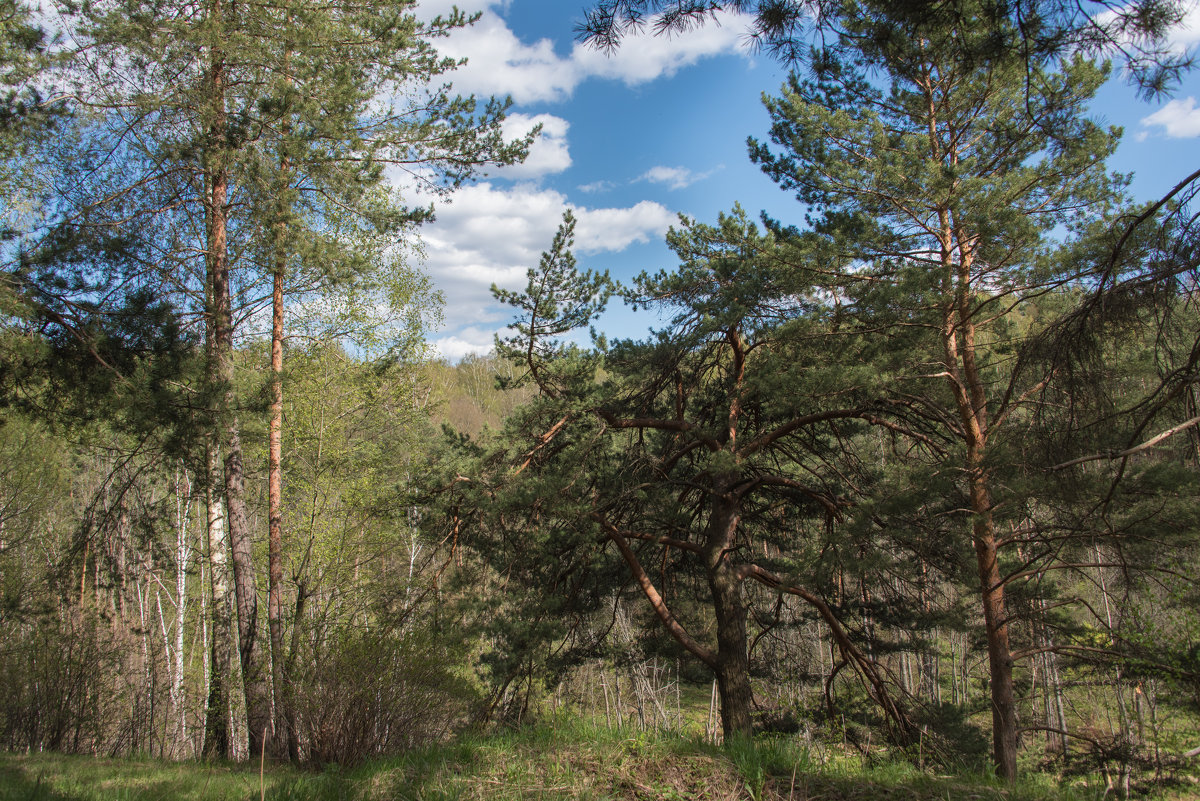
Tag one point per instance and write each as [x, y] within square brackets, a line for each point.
[281, 745]
[254, 683]
[1004, 707]
[245, 593]
[284, 743]
[733, 659]
[969, 390]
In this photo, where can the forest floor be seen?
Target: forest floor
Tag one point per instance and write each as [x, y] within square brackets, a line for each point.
[544, 764]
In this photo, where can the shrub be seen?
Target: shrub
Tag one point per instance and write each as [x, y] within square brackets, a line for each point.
[372, 693]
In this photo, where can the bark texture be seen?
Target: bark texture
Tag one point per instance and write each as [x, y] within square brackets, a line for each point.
[733, 659]
[258, 714]
[281, 744]
[218, 738]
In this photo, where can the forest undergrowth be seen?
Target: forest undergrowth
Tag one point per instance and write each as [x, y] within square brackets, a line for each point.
[573, 759]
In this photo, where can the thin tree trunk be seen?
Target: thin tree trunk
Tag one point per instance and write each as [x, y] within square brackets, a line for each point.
[147, 675]
[929, 688]
[183, 555]
[289, 672]
[217, 735]
[205, 646]
[255, 684]
[282, 745]
[1060, 711]
[258, 714]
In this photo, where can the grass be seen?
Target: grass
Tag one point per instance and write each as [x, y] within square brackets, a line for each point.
[57, 777]
[574, 760]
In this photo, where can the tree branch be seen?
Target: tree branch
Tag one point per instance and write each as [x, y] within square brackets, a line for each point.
[770, 437]
[850, 652]
[656, 601]
[654, 422]
[1147, 445]
[782, 481]
[543, 441]
[683, 545]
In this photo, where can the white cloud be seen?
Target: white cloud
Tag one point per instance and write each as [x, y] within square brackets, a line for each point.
[491, 235]
[616, 229]
[646, 57]
[597, 186]
[1180, 119]
[1179, 39]
[549, 153]
[456, 347]
[501, 64]
[1187, 34]
[674, 177]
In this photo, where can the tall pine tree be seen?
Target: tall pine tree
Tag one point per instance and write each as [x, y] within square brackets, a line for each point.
[265, 132]
[939, 188]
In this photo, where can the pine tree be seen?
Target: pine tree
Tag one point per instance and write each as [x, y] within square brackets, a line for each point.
[682, 451]
[264, 133]
[939, 192]
[1030, 29]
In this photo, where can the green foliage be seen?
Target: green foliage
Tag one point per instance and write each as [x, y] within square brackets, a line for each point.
[572, 762]
[363, 693]
[476, 393]
[557, 300]
[1037, 30]
[24, 113]
[743, 396]
[795, 431]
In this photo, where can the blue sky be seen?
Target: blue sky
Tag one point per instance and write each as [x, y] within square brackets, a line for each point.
[631, 141]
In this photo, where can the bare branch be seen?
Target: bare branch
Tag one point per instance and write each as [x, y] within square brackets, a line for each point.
[850, 652]
[672, 625]
[1147, 445]
[543, 441]
[657, 423]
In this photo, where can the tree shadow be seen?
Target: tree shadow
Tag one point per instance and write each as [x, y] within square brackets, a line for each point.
[16, 785]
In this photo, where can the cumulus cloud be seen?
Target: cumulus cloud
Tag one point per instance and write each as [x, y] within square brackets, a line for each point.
[1187, 34]
[473, 341]
[549, 153]
[1179, 39]
[674, 177]
[498, 63]
[646, 57]
[492, 235]
[616, 229]
[1179, 119]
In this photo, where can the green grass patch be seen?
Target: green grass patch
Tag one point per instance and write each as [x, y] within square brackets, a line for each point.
[574, 760]
[56, 777]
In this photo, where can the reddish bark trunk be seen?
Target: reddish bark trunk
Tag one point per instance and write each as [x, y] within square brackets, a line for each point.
[245, 592]
[281, 743]
[1004, 707]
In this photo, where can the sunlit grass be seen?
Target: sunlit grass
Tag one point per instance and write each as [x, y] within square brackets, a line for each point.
[55, 777]
[574, 759]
